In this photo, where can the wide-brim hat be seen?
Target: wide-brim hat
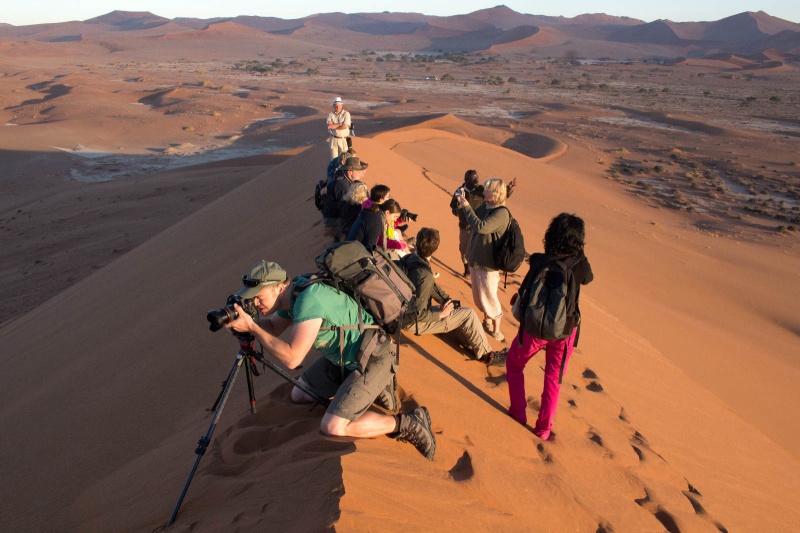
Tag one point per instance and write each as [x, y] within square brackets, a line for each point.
[262, 274]
[337, 100]
[354, 163]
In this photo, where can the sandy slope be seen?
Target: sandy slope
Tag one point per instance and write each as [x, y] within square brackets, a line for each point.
[674, 414]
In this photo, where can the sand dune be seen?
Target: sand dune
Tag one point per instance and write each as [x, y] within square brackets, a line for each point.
[144, 170]
[662, 421]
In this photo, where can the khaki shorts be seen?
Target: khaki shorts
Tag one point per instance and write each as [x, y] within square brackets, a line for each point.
[354, 392]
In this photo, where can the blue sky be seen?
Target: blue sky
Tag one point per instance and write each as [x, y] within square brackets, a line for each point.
[41, 11]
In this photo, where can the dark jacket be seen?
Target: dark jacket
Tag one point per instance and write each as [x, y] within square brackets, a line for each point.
[367, 228]
[350, 213]
[419, 271]
[333, 201]
[475, 199]
[333, 166]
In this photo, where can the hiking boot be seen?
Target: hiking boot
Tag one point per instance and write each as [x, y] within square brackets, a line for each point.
[415, 428]
[496, 358]
[387, 399]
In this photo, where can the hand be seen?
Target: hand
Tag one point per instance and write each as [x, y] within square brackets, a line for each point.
[462, 202]
[243, 323]
[446, 310]
[512, 184]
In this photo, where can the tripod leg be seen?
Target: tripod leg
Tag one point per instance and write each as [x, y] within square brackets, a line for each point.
[248, 370]
[203, 443]
[285, 375]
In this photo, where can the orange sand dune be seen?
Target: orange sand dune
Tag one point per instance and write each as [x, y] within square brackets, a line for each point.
[545, 37]
[663, 420]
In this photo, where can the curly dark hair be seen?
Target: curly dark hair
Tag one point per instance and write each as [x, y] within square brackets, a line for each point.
[565, 235]
[427, 241]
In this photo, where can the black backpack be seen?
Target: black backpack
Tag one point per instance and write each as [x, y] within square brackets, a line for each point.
[320, 189]
[325, 196]
[374, 281]
[546, 305]
[509, 250]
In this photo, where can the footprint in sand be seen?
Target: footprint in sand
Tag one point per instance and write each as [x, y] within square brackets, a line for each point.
[544, 453]
[463, 469]
[594, 384]
[595, 437]
[657, 510]
[639, 443]
[693, 495]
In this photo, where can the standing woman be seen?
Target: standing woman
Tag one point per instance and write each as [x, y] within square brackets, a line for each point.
[563, 240]
[487, 224]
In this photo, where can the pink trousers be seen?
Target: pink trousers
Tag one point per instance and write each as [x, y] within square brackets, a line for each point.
[518, 357]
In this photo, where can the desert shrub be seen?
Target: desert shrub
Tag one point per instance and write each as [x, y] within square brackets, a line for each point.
[774, 98]
[555, 82]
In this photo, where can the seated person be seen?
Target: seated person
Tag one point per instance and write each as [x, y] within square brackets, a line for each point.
[370, 228]
[351, 204]
[462, 323]
[336, 163]
[377, 194]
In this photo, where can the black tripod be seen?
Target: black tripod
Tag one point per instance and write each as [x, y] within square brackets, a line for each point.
[247, 356]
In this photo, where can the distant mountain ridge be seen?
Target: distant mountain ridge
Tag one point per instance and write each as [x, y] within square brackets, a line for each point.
[500, 29]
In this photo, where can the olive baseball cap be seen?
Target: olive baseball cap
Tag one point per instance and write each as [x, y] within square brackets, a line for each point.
[262, 274]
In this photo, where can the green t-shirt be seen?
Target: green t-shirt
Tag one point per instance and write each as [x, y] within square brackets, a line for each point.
[335, 308]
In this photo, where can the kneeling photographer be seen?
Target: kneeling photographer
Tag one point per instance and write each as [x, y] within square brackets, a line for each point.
[315, 317]
[448, 317]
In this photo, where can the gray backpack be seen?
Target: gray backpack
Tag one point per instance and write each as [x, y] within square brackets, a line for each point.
[374, 281]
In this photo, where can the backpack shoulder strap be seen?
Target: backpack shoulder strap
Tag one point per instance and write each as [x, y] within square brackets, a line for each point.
[510, 217]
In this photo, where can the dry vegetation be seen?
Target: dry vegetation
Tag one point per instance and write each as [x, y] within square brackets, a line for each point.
[719, 144]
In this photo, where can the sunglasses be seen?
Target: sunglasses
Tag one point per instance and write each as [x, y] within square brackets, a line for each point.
[250, 282]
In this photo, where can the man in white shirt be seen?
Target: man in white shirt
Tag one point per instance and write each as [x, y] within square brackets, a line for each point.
[338, 128]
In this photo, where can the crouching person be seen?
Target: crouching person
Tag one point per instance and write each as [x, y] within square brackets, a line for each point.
[315, 317]
[462, 323]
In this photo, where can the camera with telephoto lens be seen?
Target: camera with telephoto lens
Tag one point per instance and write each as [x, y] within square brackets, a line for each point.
[456, 304]
[406, 215]
[219, 318]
